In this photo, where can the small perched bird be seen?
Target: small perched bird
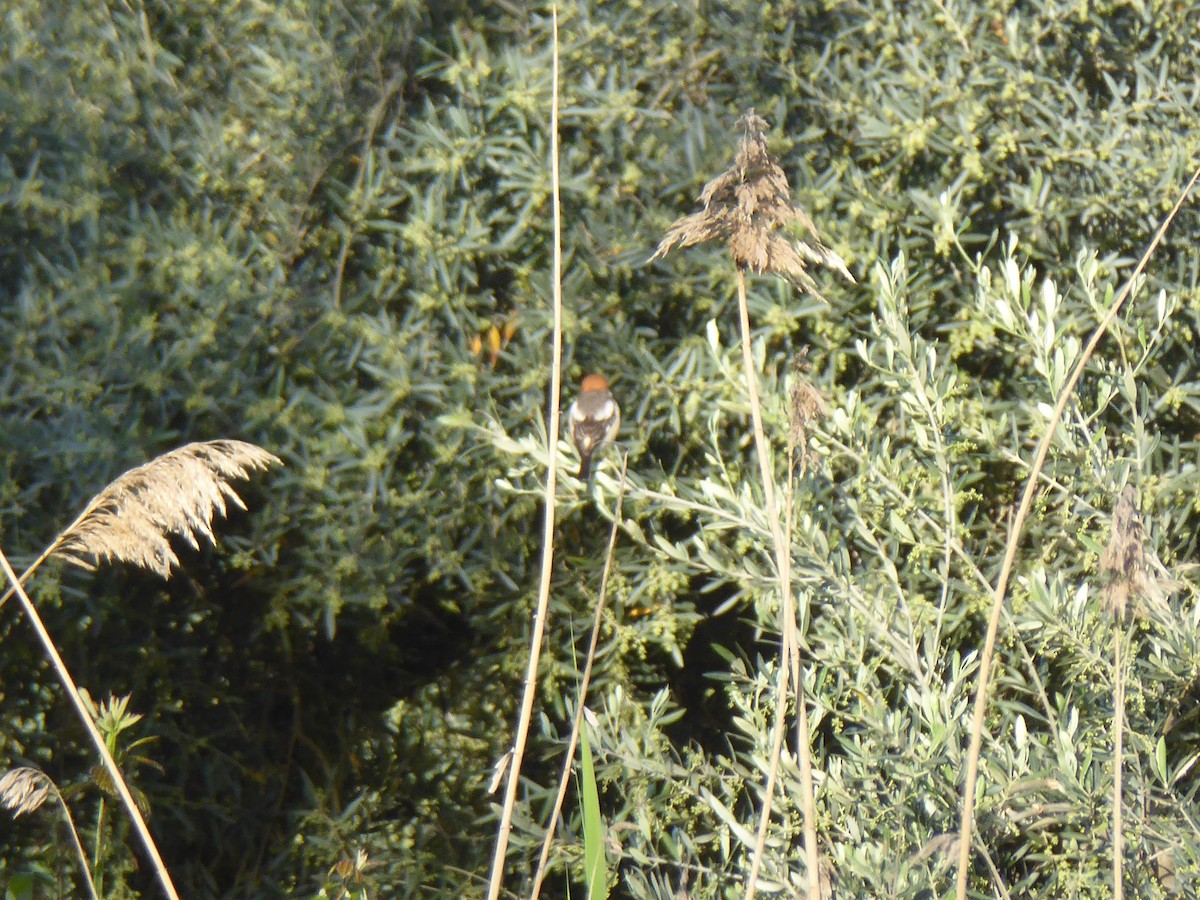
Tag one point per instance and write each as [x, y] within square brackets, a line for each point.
[595, 418]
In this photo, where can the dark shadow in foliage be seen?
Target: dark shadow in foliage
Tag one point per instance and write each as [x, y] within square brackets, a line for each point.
[698, 686]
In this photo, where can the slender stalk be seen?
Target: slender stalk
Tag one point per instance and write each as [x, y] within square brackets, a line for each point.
[26, 800]
[68, 683]
[42, 558]
[78, 845]
[790, 640]
[539, 619]
[569, 756]
[1010, 549]
[1118, 862]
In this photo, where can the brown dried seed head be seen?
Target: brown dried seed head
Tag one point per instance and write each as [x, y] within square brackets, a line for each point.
[1124, 560]
[942, 848]
[24, 789]
[175, 494]
[808, 403]
[746, 206]
[806, 407]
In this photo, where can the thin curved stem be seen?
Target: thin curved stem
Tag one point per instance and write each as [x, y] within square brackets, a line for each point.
[539, 620]
[569, 756]
[68, 683]
[1010, 549]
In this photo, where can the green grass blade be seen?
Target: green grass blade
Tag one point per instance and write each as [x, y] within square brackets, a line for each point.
[595, 869]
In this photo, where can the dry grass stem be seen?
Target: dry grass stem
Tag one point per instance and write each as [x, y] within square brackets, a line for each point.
[177, 493]
[496, 878]
[24, 790]
[788, 629]
[89, 724]
[747, 206]
[584, 683]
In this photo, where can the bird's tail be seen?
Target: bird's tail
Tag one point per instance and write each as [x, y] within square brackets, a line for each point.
[585, 467]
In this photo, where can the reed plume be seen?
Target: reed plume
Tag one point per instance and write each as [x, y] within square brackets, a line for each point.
[1126, 563]
[173, 494]
[747, 206]
[24, 790]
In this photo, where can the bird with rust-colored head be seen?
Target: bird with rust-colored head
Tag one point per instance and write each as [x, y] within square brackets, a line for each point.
[594, 418]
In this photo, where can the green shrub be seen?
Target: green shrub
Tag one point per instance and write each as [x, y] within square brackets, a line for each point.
[303, 225]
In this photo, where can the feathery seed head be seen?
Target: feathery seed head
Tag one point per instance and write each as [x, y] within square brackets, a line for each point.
[746, 206]
[1125, 562]
[174, 494]
[24, 789]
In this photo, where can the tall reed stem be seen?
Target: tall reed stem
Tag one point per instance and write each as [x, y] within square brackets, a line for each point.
[787, 613]
[967, 820]
[539, 619]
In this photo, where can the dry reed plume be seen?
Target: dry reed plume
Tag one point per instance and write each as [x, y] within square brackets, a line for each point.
[807, 407]
[24, 790]
[746, 206]
[174, 494]
[1125, 563]
[132, 520]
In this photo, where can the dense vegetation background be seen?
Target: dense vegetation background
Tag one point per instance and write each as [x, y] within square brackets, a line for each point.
[324, 227]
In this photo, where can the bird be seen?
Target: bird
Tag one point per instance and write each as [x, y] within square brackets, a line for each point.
[595, 418]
